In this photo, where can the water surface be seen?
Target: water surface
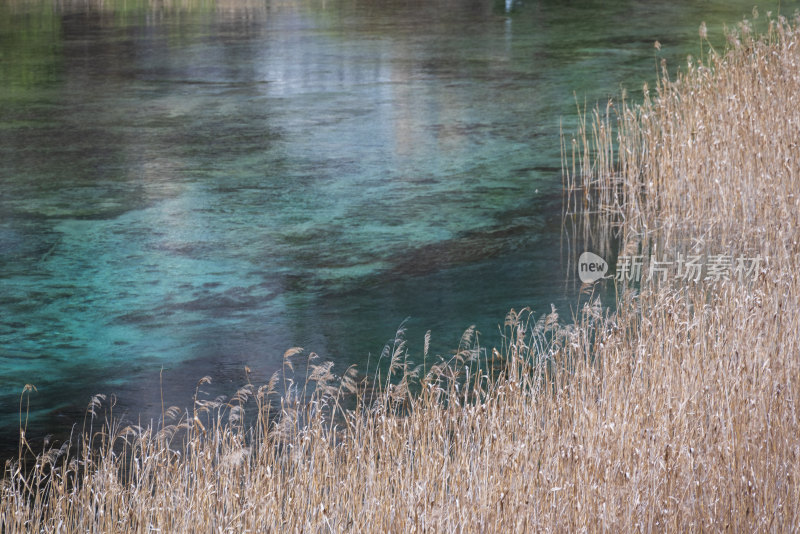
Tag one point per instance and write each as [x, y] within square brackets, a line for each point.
[196, 186]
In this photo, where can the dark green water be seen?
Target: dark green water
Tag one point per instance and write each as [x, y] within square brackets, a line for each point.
[199, 186]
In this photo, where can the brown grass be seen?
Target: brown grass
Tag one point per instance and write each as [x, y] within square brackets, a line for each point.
[679, 412]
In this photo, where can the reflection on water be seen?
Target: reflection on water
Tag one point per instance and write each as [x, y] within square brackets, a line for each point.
[199, 185]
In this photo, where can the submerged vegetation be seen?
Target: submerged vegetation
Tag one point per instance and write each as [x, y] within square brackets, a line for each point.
[680, 411]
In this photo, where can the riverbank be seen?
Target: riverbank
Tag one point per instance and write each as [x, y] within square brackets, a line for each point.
[679, 412]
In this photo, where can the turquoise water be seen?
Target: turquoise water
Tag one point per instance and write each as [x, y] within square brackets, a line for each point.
[197, 186]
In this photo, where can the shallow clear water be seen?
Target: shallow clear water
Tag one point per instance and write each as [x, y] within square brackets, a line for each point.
[199, 186]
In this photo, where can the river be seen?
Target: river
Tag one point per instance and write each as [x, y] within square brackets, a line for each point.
[191, 187]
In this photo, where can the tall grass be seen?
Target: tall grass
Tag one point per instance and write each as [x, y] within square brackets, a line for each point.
[681, 411]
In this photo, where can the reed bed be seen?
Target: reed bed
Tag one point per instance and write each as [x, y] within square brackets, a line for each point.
[678, 412]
